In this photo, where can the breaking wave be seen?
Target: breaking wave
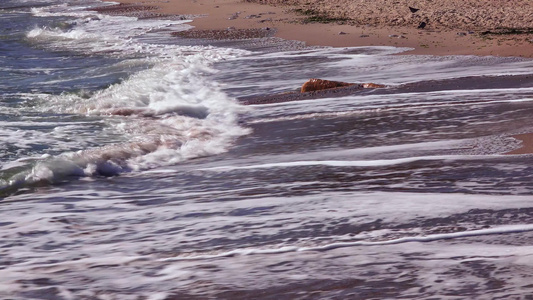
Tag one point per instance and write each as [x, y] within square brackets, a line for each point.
[166, 113]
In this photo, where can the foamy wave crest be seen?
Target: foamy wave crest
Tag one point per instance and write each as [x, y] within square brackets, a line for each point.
[88, 39]
[169, 112]
[89, 32]
[166, 114]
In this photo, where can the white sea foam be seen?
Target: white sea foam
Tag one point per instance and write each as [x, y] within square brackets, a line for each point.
[88, 37]
[181, 231]
[165, 248]
[165, 114]
[93, 33]
[172, 106]
[360, 163]
[428, 238]
[370, 104]
[64, 136]
[362, 65]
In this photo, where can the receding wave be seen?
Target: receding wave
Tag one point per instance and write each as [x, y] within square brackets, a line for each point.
[412, 239]
[358, 163]
[167, 113]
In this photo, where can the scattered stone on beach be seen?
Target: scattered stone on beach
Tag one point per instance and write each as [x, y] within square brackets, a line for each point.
[444, 14]
[234, 16]
[315, 84]
[508, 31]
[138, 11]
[422, 25]
[397, 36]
[231, 33]
[131, 10]
[413, 10]
[364, 35]
[123, 8]
[461, 33]
[342, 33]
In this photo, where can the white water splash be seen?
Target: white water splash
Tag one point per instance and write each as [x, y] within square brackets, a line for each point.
[170, 112]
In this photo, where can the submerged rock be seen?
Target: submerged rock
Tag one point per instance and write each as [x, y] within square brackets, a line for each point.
[315, 84]
[371, 85]
[313, 89]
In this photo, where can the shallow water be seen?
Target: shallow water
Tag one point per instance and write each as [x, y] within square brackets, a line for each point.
[129, 170]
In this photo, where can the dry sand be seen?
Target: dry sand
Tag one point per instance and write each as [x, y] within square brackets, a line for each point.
[453, 27]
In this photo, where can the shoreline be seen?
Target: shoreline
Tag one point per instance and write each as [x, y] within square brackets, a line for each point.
[212, 19]
[290, 25]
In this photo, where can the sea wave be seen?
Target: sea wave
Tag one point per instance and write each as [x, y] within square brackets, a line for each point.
[166, 113]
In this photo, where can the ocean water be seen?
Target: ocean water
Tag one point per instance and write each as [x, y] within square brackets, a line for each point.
[130, 167]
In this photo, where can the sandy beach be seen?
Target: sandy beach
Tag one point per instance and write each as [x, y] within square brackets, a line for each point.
[449, 27]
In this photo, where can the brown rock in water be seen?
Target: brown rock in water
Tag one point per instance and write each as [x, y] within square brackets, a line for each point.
[315, 84]
[371, 85]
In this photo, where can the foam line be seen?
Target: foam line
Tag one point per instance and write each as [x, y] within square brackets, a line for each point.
[429, 238]
[508, 229]
[355, 163]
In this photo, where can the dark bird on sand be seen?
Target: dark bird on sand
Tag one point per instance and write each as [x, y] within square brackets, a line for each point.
[413, 10]
[422, 25]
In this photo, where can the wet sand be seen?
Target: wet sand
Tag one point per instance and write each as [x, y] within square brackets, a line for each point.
[527, 144]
